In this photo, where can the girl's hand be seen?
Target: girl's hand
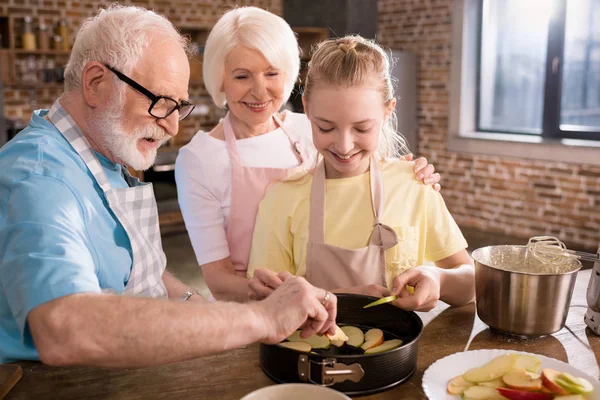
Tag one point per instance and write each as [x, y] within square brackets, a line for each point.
[425, 172]
[425, 280]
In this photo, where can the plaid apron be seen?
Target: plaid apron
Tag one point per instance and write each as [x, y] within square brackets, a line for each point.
[134, 207]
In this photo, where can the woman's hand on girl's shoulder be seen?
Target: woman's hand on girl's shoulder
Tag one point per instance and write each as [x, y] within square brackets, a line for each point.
[425, 172]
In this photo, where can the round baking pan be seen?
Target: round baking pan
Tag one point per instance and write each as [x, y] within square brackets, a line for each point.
[347, 370]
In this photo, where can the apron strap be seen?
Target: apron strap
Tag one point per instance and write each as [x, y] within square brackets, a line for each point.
[382, 234]
[298, 149]
[316, 221]
[377, 193]
[69, 129]
[230, 141]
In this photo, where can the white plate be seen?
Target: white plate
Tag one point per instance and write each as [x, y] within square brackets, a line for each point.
[437, 376]
[295, 391]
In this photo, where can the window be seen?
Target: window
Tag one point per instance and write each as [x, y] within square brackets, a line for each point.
[539, 68]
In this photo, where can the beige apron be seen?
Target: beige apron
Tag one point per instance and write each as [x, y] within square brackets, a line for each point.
[248, 187]
[331, 267]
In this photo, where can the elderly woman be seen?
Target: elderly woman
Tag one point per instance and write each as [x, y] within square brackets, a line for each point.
[251, 62]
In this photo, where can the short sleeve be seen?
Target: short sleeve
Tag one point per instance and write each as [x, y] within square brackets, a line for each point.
[45, 252]
[201, 209]
[443, 236]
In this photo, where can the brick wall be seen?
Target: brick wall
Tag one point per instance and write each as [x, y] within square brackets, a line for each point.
[185, 14]
[512, 196]
[517, 197]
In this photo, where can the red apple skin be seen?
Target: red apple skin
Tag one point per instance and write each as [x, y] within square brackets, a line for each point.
[514, 394]
[548, 378]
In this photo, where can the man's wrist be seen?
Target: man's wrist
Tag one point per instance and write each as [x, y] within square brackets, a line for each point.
[260, 324]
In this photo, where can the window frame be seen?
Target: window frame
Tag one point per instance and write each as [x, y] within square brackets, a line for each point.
[463, 135]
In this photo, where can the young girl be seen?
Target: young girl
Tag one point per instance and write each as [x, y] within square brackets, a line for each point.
[360, 220]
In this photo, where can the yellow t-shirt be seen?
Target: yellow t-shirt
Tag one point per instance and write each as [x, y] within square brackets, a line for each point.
[426, 230]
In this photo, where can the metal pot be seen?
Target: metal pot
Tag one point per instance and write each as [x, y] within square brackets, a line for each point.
[512, 300]
[353, 374]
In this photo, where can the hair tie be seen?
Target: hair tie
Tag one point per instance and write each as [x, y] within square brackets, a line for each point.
[348, 47]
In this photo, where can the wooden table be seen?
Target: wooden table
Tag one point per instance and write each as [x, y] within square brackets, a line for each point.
[236, 373]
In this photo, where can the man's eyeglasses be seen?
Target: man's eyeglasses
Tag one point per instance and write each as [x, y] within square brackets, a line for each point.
[161, 106]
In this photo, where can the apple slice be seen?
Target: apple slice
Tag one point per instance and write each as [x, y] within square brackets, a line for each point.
[572, 388]
[549, 377]
[496, 383]
[458, 385]
[494, 369]
[315, 341]
[528, 362]
[299, 346]
[356, 337]
[581, 385]
[337, 343]
[514, 394]
[385, 346]
[481, 393]
[519, 379]
[339, 335]
[373, 338]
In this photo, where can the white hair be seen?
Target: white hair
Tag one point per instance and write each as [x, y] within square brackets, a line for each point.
[256, 29]
[118, 37]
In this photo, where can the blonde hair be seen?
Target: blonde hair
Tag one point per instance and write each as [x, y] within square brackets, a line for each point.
[351, 61]
[117, 36]
[255, 29]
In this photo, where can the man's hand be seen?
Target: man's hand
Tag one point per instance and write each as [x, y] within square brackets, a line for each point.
[264, 282]
[294, 304]
[425, 280]
[425, 172]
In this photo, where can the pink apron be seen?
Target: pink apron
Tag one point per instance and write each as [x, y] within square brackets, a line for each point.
[248, 187]
[331, 267]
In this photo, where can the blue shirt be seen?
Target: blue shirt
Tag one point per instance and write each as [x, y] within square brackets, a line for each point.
[57, 234]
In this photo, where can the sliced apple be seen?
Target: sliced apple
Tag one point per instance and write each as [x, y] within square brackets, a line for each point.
[373, 338]
[315, 341]
[528, 362]
[299, 346]
[514, 394]
[458, 385]
[519, 379]
[572, 388]
[337, 343]
[494, 369]
[481, 393]
[339, 335]
[496, 383]
[385, 346]
[356, 337]
[549, 377]
[582, 386]
[533, 375]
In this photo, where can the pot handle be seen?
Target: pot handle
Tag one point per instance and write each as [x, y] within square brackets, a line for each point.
[332, 372]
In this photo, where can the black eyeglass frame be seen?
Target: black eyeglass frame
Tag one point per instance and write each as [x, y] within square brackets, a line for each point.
[154, 98]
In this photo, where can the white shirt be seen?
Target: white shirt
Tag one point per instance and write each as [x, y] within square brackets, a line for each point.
[203, 177]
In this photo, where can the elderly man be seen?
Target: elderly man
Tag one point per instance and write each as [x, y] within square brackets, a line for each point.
[82, 270]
